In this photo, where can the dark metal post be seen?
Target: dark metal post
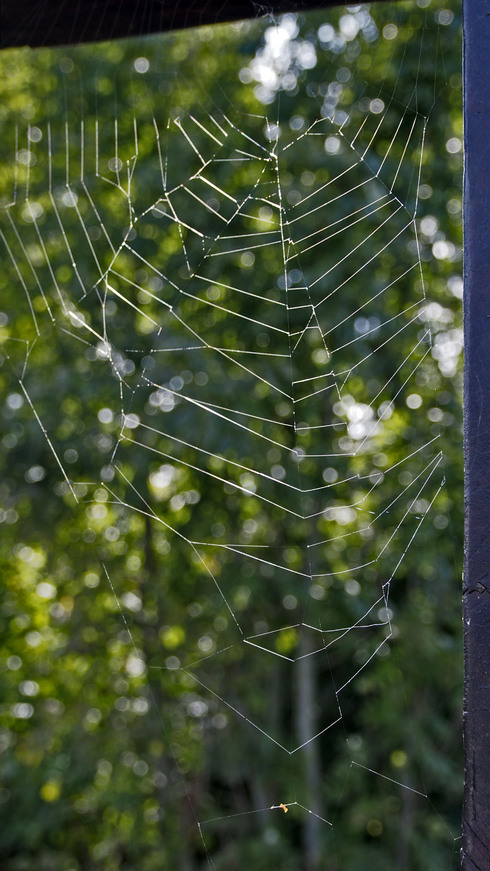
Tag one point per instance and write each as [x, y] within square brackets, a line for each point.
[476, 589]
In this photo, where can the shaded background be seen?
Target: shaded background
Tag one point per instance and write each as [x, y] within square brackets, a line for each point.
[111, 753]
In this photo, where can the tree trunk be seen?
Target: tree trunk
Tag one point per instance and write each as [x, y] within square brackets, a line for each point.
[306, 726]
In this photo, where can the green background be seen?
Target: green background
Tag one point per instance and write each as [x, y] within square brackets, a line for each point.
[113, 757]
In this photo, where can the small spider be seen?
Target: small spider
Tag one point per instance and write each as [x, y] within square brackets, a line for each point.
[283, 807]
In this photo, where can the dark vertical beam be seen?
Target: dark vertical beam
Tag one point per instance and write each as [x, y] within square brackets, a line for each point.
[476, 587]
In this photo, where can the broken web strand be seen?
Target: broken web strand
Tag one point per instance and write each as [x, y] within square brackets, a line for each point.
[304, 305]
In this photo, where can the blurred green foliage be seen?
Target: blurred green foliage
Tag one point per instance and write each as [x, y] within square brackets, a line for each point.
[118, 743]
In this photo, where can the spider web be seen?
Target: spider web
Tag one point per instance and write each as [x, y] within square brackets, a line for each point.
[242, 278]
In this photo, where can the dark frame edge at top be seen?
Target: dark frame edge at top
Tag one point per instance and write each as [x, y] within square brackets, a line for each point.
[40, 23]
